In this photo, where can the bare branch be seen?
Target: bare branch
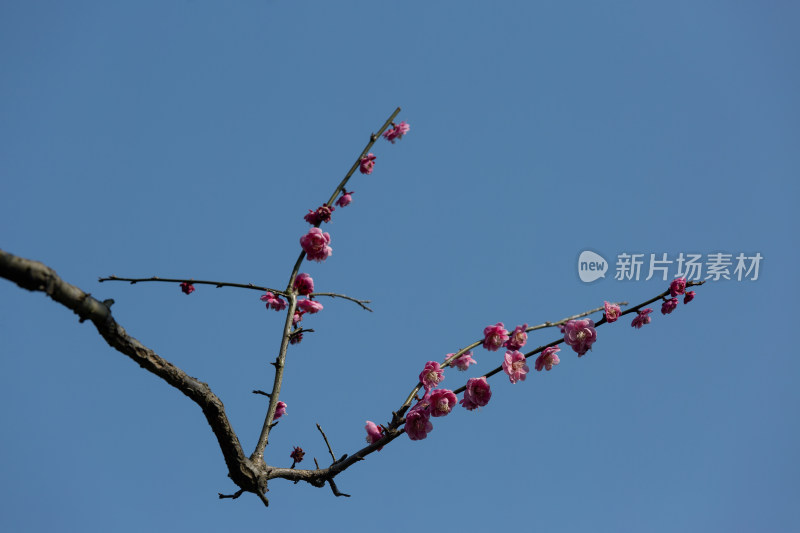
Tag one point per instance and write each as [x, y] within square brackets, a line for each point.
[35, 276]
[334, 295]
[328, 444]
[217, 284]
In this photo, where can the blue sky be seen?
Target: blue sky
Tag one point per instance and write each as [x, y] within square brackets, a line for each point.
[187, 139]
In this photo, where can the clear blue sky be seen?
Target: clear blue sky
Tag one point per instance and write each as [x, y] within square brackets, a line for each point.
[188, 139]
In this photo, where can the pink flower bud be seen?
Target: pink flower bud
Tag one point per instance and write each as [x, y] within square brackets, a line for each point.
[374, 433]
[187, 288]
[642, 318]
[280, 410]
[303, 284]
[669, 306]
[689, 297]
[396, 132]
[345, 199]
[367, 163]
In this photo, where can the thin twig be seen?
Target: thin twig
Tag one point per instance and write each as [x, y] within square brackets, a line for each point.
[217, 284]
[231, 496]
[336, 490]
[573, 317]
[334, 295]
[328, 444]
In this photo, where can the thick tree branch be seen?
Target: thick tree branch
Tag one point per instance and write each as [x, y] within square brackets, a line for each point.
[35, 276]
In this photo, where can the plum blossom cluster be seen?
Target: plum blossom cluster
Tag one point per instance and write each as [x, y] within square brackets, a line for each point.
[435, 403]
[676, 288]
[580, 335]
[316, 243]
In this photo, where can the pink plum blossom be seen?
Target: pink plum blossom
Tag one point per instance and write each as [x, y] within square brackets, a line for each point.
[442, 402]
[514, 364]
[689, 297]
[418, 424]
[367, 163]
[280, 410]
[677, 287]
[612, 312]
[477, 394]
[669, 306]
[298, 316]
[518, 338]
[309, 306]
[273, 302]
[374, 433]
[345, 199]
[642, 318]
[494, 337]
[187, 288]
[396, 132]
[547, 359]
[315, 244]
[580, 335]
[431, 375]
[463, 361]
[304, 284]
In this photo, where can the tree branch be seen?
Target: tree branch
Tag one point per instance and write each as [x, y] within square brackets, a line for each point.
[35, 276]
